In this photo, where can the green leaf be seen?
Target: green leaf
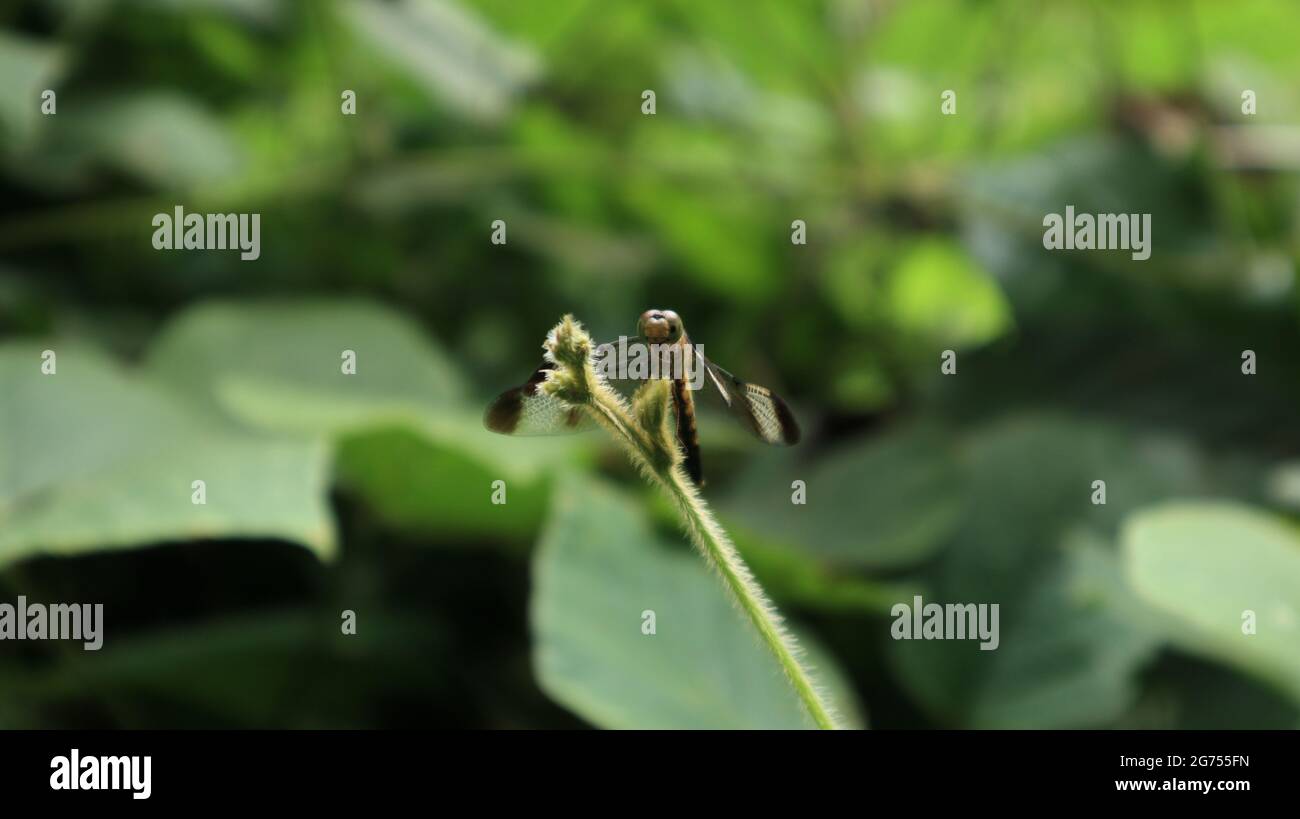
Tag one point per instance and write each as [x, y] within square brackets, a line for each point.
[1030, 539]
[93, 457]
[597, 569]
[450, 52]
[1068, 650]
[423, 485]
[797, 577]
[1205, 565]
[279, 365]
[161, 139]
[718, 236]
[881, 503]
[28, 67]
[939, 292]
[409, 440]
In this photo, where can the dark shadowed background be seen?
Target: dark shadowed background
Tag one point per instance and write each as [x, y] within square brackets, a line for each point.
[371, 493]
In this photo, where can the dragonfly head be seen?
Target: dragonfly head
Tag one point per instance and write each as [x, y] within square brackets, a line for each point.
[660, 326]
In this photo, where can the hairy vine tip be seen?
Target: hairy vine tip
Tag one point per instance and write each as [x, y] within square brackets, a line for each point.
[568, 343]
[569, 347]
[652, 408]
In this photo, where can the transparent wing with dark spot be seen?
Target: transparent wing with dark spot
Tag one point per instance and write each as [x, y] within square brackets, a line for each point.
[529, 410]
[758, 409]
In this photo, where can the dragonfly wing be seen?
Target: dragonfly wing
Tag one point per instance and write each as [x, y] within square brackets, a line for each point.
[758, 409]
[530, 410]
[611, 362]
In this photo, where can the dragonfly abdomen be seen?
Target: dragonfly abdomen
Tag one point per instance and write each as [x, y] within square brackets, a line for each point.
[687, 435]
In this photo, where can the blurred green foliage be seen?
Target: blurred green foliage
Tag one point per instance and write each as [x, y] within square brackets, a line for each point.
[924, 234]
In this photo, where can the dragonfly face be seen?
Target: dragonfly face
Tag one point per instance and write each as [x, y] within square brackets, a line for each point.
[529, 410]
[661, 327]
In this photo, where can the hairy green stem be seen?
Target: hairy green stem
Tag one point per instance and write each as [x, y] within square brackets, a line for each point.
[712, 541]
[645, 434]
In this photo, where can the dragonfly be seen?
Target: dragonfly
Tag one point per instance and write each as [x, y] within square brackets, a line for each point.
[529, 410]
